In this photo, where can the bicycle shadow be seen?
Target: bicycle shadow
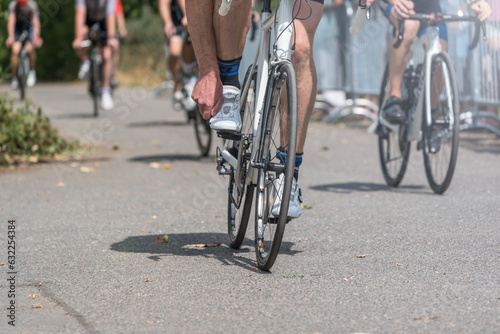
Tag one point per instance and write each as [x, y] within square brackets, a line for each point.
[349, 187]
[171, 157]
[181, 244]
[150, 124]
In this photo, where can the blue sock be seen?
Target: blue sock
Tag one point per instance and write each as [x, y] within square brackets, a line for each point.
[281, 155]
[229, 70]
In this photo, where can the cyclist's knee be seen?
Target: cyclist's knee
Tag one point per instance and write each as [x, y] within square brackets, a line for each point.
[29, 47]
[16, 49]
[106, 53]
[302, 55]
[411, 31]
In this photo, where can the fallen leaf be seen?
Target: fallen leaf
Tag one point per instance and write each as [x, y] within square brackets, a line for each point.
[206, 245]
[432, 318]
[306, 207]
[143, 230]
[347, 278]
[32, 295]
[0, 208]
[60, 184]
[166, 166]
[2, 264]
[154, 165]
[148, 280]
[165, 239]
[33, 159]
[73, 164]
[87, 170]
[367, 196]
[150, 322]
[37, 306]
[154, 217]
[218, 216]
[325, 148]
[399, 264]
[407, 281]
[41, 284]
[116, 147]
[196, 172]
[359, 256]
[233, 254]
[34, 148]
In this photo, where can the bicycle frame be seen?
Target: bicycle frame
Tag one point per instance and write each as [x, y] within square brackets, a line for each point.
[281, 53]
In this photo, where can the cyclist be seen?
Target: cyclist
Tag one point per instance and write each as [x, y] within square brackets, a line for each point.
[23, 18]
[121, 33]
[398, 58]
[219, 42]
[180, 56]
[102, 13]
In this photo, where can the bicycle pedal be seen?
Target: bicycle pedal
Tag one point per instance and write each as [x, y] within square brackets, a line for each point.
[221, 169]
[229, 136]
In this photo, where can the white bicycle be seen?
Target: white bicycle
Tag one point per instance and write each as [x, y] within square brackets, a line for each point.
[269, 122]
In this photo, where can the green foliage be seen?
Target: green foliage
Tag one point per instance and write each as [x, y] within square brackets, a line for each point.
[25, 132]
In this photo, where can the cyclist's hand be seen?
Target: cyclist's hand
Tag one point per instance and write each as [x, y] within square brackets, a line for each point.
[170, 30]
[184, 22]
[482, 9]
[402, 8]
[9, 41]
[77, 43]
[113, 43]
[37, 41]
[122, 32]
[208, 94]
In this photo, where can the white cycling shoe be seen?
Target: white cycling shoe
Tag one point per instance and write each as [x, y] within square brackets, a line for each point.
[84, 70]
[14, 84]
[107, 102]
[31, 80]
[187, 101]
[177, 100]
[228, 118]
[294, 208]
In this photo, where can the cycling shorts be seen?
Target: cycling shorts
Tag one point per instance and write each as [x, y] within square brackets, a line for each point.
[19, 32]
[425, 7]
[103, 31]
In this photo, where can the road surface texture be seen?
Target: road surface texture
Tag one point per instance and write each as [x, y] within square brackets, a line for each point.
[363, 259]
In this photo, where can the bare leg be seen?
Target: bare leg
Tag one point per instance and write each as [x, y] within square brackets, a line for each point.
[305, 69]
[14, 57]
[398, 58]
[106, 68]
[30, 50]
[175, 47]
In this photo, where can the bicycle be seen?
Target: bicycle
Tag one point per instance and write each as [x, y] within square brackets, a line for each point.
[95, 65]
[269, 114]
[432, 128]
[431, 101]
[23, 65]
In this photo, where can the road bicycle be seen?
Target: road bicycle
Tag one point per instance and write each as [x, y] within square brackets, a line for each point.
[95, 34]
[23, 65]
[268, 108]
[431, 102]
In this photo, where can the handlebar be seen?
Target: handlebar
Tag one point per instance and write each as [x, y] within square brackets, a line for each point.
[435, 19]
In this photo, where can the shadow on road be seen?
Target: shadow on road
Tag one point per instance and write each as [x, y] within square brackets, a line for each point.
[349, 187]
[171, 157]
[182, 245]
[156, 123]
[73, 116]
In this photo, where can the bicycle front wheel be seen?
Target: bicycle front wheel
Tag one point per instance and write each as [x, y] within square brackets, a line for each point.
[279, 132]
[94, 83]
[202, 132]
[441, 125]
[241, 192]
[22, 75]
[394, 148]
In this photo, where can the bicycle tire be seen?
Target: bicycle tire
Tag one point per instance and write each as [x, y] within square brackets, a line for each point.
[94, 81]
[203, 133]
[448, 124]
[21, 75]
[268, 225]
[393, 158]
[240, 200]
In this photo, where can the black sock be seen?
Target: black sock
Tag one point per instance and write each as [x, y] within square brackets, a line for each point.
[229, 70]
[281, 154]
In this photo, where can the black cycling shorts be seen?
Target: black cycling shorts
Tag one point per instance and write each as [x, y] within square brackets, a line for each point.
[103, 31]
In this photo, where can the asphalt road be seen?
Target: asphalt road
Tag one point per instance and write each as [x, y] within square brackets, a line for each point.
[87, 237]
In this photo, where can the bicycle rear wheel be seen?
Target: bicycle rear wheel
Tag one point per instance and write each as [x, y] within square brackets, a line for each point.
[202, 132]
[441, 132]
[279, 128]
[394, 148]
[241, 192]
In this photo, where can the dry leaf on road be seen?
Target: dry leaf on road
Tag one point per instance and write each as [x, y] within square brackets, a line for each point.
[359, 256]
[206, 245]
[432, 318]
[166, 166]
[154, 217]
[87, 170]
[154, 165]
[32, 295]
[148, 280]
[37, 306]
[61, 184]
